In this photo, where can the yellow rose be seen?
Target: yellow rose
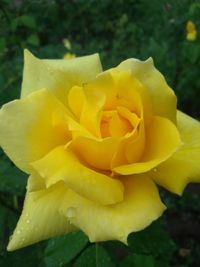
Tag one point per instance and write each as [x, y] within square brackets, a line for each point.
[95, 144]
[69, 56]
[191, 31]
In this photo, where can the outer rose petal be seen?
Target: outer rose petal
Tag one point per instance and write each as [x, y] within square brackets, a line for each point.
[31, 127]
[58, 75]
[140, 207]
[162, 140]
[163, 97]
[184, 166]
[40, 217]
[63, 165]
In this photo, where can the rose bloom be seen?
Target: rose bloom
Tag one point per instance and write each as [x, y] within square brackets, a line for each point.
[191, 31]
[95, 144]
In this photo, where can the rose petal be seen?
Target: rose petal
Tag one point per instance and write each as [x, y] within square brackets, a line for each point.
[63, 165]
[121, 88]
[58, 75]
[76, 99]
[184, 166]
[140, 207]
[91, 111]
[97, 153]
[40, 218]
[162, 96]
[131, 147]
[32, 126]
[162, 140]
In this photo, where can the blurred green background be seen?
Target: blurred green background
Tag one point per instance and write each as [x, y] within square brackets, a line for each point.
[117, 30]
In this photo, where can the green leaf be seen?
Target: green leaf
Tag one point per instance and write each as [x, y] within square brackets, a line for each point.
[138, 260]
[33, 39]
[7, 221]
[154, 240]
[94, 256]
[28, 21]
[193, 8]
[14, 24]
[63, 249]
[12, 180]
[141, 260]
[2, 44]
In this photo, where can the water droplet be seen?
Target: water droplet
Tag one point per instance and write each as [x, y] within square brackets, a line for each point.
[155, 170]
[18, 232]
[71, 212]
[28, 221]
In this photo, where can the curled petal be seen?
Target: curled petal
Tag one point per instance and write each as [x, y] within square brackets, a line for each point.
[62, 165]
[162, 140]
[162, 96]
[99, 151]
[184, 166]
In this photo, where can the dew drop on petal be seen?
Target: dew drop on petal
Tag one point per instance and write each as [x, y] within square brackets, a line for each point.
[71, 212]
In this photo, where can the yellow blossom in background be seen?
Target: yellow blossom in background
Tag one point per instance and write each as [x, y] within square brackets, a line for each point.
[67, 43]
[95, 144]
[69, 56]
[191, 31]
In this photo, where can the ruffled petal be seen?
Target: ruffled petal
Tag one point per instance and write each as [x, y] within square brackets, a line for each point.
[140, 207]
[40, 218]
[162, 96]
[32, 126]
[62, 165]
[184, 166]
[58, 75]
[162, 140]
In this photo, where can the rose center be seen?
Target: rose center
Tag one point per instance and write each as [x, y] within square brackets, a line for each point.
[117, 122]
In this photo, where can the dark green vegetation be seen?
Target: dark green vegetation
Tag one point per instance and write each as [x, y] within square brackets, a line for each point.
[117, 30]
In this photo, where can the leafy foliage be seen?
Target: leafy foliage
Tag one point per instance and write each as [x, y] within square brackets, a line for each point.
[117, 30]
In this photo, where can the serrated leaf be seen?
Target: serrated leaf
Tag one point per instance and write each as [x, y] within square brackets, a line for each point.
[94, 256]
[63, 249]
